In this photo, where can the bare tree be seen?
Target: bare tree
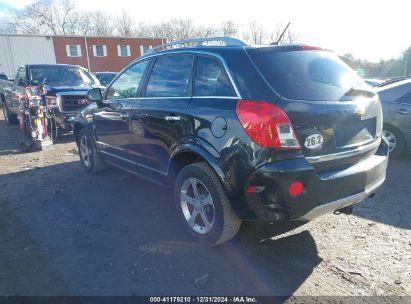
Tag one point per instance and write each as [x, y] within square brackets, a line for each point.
[83, 24]
[43, 16]
[125, 25]
[254, 33]
[204, 32]
[145, 30]
[179, 29]
[20, 21]
[60, 17]
[100, 23]
[55, 16]
[229, 29]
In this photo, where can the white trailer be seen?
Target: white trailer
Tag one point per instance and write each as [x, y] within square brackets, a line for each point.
[16, 50]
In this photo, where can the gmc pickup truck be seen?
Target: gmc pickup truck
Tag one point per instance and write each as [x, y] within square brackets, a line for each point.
[66, 87]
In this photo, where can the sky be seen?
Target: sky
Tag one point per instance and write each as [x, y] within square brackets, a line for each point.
[371, 30]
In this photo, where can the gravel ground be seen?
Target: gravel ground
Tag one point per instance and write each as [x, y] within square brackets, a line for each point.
[64, 232]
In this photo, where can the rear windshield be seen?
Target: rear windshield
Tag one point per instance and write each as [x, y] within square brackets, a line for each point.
[307, 75]
[59, 75]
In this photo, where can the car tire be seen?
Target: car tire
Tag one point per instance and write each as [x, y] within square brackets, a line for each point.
[90, 158]
[10, 118]
[396, 142]
[203, 206]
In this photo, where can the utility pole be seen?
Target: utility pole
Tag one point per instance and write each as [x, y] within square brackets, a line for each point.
[406, 62]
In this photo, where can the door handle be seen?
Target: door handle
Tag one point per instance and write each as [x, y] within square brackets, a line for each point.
[124, 115]
[172, 117]
[402, 112]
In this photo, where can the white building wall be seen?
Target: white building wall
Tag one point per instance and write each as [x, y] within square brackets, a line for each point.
[16, 50]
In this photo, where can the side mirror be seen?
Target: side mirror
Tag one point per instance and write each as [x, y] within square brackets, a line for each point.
[94, 95]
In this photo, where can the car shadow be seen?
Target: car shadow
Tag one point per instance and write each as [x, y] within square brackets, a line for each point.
[13, 139]
[391, 204]
[115, 234]
[11, 136]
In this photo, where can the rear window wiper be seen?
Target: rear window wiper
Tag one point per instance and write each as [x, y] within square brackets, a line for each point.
[359, 92]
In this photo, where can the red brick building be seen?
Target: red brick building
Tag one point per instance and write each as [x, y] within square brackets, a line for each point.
[101, 53]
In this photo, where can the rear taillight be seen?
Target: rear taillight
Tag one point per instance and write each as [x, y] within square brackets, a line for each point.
[267, 124]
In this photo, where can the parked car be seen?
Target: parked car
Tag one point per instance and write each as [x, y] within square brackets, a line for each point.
[3, 77]
[393, 80]
[373, 82]
[240, 132]
[396, 104]
[105, 77]
[66, 87]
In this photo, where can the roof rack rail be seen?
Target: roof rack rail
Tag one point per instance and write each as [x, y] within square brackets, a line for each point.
[228, 41]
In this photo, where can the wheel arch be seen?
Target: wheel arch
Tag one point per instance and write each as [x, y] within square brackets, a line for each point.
[2, 99]
[77, 127]
[190, 153]
[395, 128]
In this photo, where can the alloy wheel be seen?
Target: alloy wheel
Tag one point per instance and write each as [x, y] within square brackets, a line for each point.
[85, 151]
[197, 205]
[391, 140]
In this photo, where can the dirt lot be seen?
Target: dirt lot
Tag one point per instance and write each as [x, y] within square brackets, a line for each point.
[64, 232]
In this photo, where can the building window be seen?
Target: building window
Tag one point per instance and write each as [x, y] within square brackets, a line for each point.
[99, 50]
[123, 50]
[73, 50]
[144, 49]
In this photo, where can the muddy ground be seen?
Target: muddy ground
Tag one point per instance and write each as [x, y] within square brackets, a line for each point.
[64, 232]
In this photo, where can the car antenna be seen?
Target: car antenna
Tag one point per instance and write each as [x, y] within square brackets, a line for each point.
[281, 36]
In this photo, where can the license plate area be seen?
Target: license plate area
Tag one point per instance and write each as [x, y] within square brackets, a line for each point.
[355, 132]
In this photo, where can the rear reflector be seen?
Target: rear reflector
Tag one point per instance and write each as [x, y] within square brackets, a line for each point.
[255, 189]
[296, 188]
[267, 124]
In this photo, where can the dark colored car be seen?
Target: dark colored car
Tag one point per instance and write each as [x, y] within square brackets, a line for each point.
[3, 77]
[240, 132]
[396, 104]
[373, 82]
[105, 77]
[66, 87]
[393, 80]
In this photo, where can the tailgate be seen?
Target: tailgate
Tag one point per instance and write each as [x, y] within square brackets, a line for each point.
[325, 128]
[334, 112]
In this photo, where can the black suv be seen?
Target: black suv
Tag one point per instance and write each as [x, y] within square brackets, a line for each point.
[240, 132]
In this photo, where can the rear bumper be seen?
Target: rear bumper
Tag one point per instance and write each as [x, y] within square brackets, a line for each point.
[324, 192]
[341, 203]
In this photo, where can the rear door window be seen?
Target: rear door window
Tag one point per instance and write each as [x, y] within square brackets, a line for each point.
[211, 78]
[307, 75]
[170, 76]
